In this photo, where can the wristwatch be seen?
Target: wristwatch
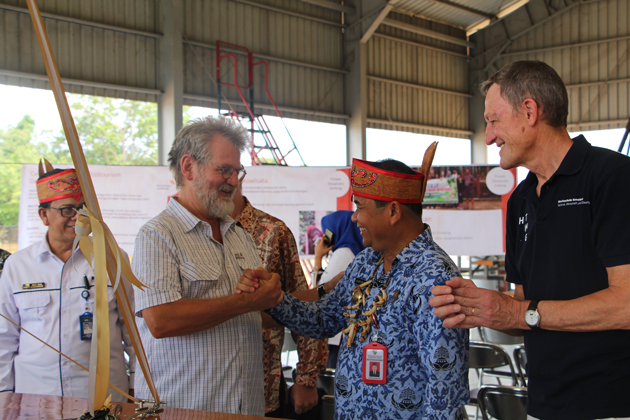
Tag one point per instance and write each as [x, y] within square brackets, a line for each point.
[532, 316]
[321, 291]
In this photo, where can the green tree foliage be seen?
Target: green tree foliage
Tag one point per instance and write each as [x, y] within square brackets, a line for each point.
[112, 132]
[17, 146]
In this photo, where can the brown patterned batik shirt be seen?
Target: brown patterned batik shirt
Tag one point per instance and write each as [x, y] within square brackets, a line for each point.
[279, 254]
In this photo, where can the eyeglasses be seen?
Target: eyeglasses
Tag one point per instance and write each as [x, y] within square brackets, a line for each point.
[227, 170]
[68, 211]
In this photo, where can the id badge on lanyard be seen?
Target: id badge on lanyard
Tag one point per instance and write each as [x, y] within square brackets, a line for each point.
[374, 359]
[85, 322]
[374, 363]
[86, 319]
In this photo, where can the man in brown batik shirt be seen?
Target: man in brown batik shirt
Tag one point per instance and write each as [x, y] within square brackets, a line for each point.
[279, 254]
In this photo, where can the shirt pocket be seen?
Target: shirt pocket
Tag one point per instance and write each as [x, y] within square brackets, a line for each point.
[33, 307]
[199, 280]
[250, 260]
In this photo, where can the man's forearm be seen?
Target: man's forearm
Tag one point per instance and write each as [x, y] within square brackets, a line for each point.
[309, 295]
[604, 310]
[600, 311]
[188, 316]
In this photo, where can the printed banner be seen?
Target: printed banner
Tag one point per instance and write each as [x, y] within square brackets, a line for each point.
[129, 196]
[465, 204]
[299, 196]
[466, 208]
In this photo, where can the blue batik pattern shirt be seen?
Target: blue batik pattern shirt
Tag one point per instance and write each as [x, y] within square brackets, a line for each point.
[427, 364]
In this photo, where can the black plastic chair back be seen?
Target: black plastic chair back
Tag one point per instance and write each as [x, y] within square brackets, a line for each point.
[503, 402]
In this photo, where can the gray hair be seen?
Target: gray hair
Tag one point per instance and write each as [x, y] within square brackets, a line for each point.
[195, 138]
[536, 80]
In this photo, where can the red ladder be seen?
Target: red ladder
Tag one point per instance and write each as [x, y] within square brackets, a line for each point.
[257, 123]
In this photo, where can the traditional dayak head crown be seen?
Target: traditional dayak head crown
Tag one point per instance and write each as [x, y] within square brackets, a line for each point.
[380, 184]
[59, 184]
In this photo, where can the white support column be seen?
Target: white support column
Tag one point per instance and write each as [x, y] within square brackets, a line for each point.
[356, 101]
[171, 68]
[356, 83]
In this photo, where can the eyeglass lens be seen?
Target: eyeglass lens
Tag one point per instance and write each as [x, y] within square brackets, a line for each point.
[228, 170]
[69, 211]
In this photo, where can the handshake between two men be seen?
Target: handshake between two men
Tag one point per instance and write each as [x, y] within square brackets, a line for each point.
[267, 286]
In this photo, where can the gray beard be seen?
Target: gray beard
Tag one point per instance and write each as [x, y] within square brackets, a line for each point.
[216, 207]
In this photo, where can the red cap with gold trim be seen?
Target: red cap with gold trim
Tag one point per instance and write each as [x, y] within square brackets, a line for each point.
[378, 184]
[58, 185]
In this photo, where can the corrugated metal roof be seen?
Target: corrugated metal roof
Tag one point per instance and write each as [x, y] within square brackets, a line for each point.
[441, 11]
[302, 74]
[93, 56]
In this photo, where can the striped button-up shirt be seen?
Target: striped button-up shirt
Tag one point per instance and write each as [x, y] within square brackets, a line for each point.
[218, 369]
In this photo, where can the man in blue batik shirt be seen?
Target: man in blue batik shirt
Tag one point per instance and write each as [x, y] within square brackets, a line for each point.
[425, 366]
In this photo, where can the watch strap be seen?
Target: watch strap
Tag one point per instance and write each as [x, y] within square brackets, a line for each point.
[533, 305]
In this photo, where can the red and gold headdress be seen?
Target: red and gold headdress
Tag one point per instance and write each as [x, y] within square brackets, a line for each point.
[379, 184]
[59, 185]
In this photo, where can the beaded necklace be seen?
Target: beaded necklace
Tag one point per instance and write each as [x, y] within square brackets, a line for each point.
[359, 294]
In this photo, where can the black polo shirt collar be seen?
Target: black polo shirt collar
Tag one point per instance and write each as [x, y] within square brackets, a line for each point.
[571, 164]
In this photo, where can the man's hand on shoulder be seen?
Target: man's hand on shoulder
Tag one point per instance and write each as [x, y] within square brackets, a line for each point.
[445, 304]
[464, 305]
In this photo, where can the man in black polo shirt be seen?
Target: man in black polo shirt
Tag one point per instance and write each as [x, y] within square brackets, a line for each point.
[568, 252]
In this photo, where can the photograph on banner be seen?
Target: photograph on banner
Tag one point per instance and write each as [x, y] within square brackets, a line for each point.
[461, 188]
[310, 230]
[465, 207]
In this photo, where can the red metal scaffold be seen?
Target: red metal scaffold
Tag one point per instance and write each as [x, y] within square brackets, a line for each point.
[258, 125]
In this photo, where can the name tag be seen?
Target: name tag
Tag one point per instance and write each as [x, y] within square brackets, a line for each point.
[29, 286]
[85, 322]
[374, 363]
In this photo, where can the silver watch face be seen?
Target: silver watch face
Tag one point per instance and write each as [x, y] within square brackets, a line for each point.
[532, 318]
